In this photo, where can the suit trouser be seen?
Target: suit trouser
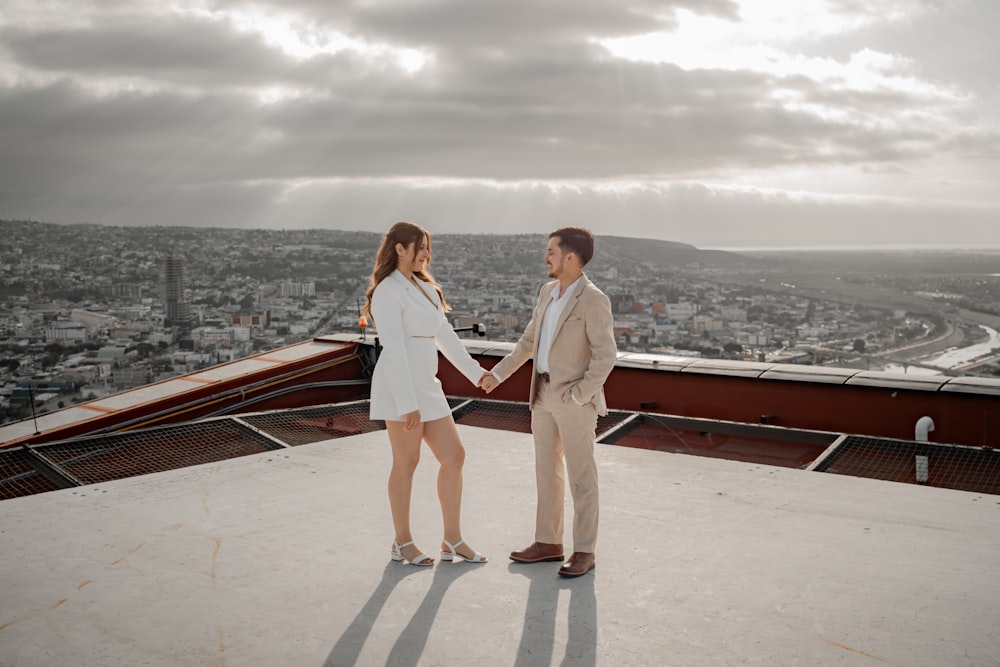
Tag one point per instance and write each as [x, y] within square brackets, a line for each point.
[565, 430]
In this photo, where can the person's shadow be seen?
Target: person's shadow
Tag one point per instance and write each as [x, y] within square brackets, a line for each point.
[410, 644]
[538, 633]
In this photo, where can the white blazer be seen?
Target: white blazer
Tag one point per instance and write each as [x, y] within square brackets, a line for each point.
[412, 327]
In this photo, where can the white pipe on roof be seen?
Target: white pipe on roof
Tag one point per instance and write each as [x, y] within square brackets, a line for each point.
[924, 426]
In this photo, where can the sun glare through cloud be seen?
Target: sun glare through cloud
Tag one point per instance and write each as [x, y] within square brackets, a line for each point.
[303, 39]
[806, 71]
[770, 38]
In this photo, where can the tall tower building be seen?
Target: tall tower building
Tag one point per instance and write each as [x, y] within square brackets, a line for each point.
[178, 309]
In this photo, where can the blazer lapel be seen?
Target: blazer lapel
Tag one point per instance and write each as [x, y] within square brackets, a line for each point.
[568, 308]
[424, 299]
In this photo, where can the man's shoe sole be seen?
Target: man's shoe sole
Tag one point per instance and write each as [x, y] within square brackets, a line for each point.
[537, 560]
[570, 575]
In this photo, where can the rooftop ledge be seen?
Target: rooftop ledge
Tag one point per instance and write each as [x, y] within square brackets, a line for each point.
[830, 419]
[303, 358]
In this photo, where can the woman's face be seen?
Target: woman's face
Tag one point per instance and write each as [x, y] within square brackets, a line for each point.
[415, 256]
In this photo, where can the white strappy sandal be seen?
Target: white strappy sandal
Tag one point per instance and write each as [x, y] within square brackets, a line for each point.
[396, 553]
[451, 553]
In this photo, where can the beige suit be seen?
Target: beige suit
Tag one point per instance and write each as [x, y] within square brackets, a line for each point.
[564, 410]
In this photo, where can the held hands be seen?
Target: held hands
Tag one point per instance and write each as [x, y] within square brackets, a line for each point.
[488, 383]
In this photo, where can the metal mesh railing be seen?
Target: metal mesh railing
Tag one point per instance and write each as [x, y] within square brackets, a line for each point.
[120, 455]
[746, 443]
[20, 475]
[302, 427]
[516, 417]
[89, 460]
[933, 464]
[94, 459]
[499, 415]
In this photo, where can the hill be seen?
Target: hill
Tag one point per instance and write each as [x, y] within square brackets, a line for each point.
[671, 253]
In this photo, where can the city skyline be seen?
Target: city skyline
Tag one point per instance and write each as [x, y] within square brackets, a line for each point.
[723, 124]
[107, 308]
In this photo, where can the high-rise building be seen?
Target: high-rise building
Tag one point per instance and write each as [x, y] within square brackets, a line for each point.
[178, 309]
[295, 290]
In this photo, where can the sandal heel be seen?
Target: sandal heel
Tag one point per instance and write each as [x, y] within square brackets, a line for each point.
[396, 554]
[452, 552]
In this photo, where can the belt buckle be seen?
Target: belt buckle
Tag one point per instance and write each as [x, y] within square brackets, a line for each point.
[544, 377]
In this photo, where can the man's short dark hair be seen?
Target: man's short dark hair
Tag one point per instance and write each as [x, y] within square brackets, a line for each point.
[578, 240]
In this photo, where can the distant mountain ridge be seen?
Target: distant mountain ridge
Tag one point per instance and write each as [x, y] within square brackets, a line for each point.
[654, 251]
[621, 248]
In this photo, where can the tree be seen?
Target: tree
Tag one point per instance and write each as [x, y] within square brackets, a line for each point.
[51, 359]
[859, 345]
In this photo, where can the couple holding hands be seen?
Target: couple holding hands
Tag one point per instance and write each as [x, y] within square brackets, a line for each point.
[571, 339]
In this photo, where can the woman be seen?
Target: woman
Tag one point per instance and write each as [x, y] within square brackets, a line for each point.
[408, 309]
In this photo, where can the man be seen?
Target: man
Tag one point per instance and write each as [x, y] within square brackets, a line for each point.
[571, 339]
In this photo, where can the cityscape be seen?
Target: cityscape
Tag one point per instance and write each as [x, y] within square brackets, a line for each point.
[89, 310]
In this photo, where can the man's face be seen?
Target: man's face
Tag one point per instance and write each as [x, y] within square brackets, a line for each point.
[555, 258]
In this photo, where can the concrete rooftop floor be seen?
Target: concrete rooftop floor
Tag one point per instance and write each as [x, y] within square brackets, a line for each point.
[282, 559]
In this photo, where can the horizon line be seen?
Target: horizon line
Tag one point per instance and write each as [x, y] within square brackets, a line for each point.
[852, 248]
[971, 247]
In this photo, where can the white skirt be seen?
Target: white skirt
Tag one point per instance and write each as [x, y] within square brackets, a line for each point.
[422, 355]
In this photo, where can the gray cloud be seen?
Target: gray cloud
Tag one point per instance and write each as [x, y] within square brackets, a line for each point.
[172, 50]
[453, 25]
[119, 114]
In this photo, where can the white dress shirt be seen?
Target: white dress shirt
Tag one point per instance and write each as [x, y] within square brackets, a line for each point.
[549, 321]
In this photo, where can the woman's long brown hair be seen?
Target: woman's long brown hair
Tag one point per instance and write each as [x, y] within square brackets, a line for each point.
[386, 259]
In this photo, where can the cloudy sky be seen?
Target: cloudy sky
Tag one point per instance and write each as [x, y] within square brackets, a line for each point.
[721, 123]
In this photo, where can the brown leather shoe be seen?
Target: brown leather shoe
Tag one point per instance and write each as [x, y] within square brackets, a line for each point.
[537, 553]
[579, 563]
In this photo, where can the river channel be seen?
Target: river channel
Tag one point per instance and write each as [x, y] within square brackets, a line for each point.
[954, 357]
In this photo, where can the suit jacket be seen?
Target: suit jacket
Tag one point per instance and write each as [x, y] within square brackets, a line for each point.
[583, 349]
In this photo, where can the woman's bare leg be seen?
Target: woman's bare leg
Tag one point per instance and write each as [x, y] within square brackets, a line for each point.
[443, 439]
[405, 456]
